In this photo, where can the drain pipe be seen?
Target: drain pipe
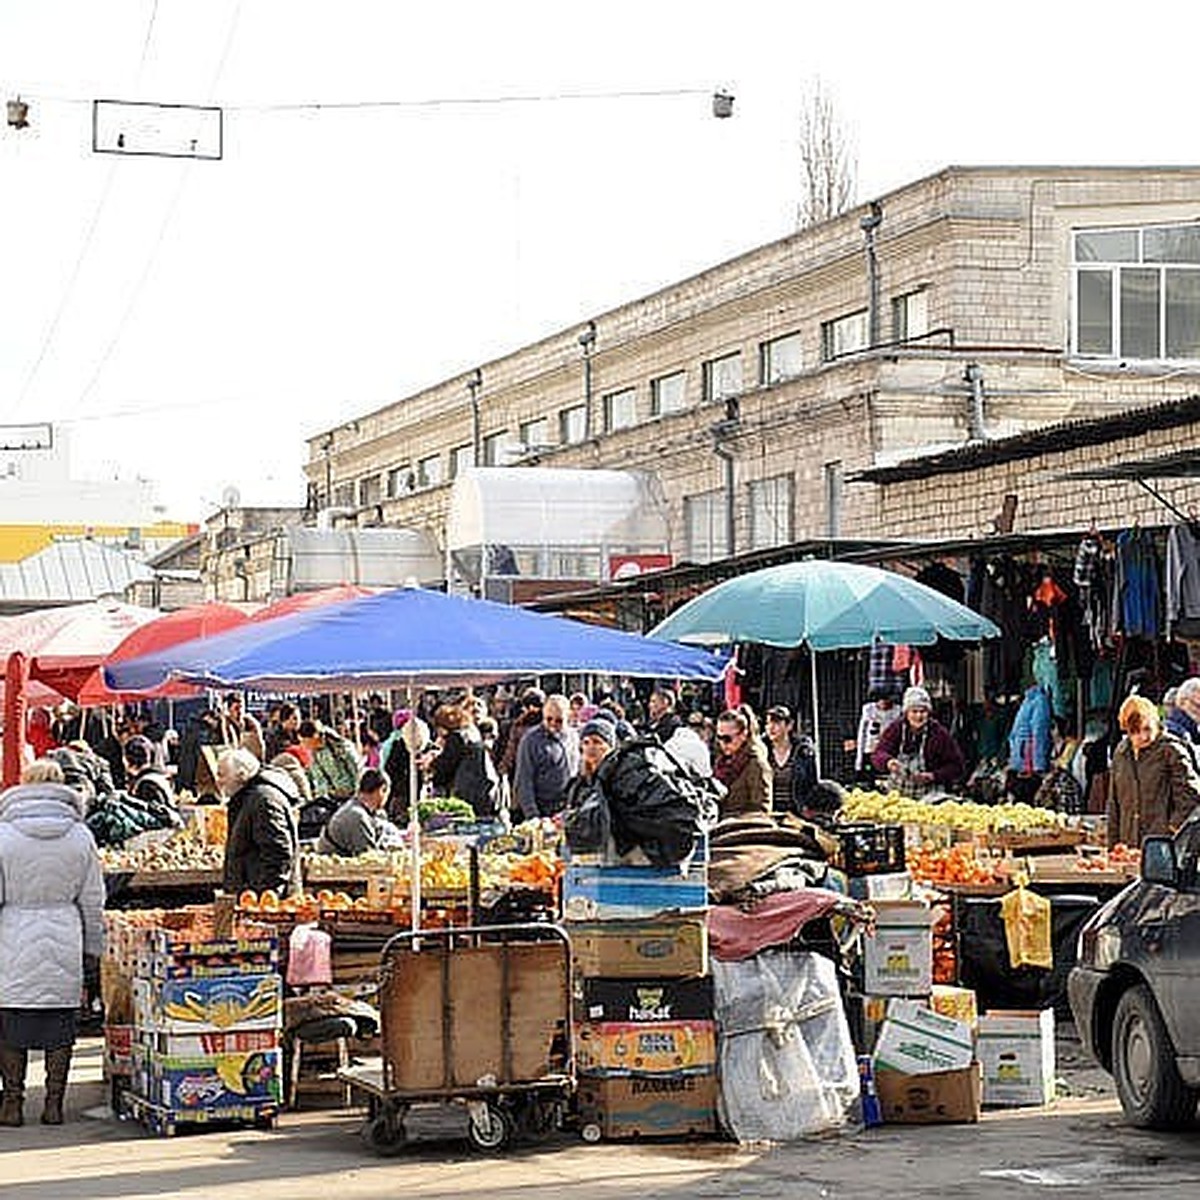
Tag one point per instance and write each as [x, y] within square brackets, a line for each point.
[726, 456]
[973, 377]
[869, 225]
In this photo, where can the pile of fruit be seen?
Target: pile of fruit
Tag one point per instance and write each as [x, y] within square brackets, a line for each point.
[540, 870]
[893, 808]
[955, 864]
[1120, 858]
[185, 850]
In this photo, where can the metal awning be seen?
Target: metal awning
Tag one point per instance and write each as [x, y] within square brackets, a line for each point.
[1183, 464]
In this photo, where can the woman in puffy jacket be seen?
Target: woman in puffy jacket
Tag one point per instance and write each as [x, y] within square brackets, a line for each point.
[51, 918]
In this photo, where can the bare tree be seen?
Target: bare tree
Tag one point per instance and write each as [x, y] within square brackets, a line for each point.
[827, 160]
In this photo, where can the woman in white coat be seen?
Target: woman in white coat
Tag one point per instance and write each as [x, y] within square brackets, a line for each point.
[51, 917]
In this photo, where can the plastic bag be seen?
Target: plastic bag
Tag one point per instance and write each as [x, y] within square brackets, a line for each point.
[1027, 928]
[309, 957]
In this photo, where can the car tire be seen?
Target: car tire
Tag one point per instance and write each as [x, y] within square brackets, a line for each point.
[1149, 1086]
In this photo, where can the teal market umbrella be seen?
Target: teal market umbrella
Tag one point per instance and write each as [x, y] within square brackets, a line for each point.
[825, 606]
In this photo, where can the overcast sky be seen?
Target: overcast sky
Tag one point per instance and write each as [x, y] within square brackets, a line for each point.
[193, 321]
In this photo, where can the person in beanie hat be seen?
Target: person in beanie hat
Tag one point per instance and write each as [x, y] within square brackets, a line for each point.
[917, 751]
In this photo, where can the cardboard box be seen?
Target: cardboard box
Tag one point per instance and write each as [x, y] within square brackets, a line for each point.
[196, 1045]
[209, 1005]
[1016, 1050]
[118, 1050]
[895, 886]
[917, 1041]
[208, 1081]
[644, 1000]
[639, 949]
[938, 1098]
[898, 955]
[649, 1106]
[669, 1047]
[623, 893]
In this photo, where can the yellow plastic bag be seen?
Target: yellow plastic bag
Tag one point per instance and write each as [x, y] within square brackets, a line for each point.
[1027, 928]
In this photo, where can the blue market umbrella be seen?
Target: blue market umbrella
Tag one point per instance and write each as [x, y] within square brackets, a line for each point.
[825, 606]
[409, 638]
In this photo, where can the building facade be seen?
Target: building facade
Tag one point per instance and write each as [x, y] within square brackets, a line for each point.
[977, 304]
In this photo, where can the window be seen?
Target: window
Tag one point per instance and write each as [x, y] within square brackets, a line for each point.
[723, 377]
[668, 393]
[370, 490]
[779, 359]
[400, 481]
[343, 495]
[1137, 292]
[620, 410]
[497, 449]
[844, 335]
[770, 512]
[429, 471]
[535, 435]
[572, 424]
[461, 457]
[833, 498]
[704, 526]
[910, 316]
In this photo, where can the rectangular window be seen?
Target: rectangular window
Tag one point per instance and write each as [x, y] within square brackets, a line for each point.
[461, 457]
[572, 424]
[535, 435]
[844, 335]
[833, 498]
[771, 512]
[370, 490]
[779, 359]
[429, 471]
[498, 449]
[723, 377]
[704, 526]
[668, 393]
[1137, 292]
[620, 410]
[343, 495]
[910, 316]
[400, 481]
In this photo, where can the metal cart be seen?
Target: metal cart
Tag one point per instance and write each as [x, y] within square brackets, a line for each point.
[477, 1016]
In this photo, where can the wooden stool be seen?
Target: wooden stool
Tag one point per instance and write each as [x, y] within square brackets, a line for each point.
[326, 1082]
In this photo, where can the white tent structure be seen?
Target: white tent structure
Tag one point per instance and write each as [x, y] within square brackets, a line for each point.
[545, 523]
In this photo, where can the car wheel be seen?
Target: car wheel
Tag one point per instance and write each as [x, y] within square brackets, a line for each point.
[1148, 1083]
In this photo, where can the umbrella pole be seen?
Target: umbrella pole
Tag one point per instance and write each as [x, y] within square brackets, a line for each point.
[816, 708]
[414, 820]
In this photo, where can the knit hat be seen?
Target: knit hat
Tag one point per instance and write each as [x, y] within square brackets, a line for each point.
[916, 697]
[139, 751]
[606, 731]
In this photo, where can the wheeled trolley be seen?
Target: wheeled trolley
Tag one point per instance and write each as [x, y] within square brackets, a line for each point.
[477, 1016]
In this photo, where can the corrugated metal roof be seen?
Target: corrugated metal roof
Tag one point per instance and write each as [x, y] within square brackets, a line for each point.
[1066, 435]
[67, 571]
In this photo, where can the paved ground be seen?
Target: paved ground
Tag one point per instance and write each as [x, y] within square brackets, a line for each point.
[1078, 1147]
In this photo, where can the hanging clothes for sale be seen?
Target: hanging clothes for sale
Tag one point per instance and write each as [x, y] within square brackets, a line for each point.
[996, 589]
[883, 678]
[1136, 586]
[1095, 561]
[1031, 741]
[1183, 579]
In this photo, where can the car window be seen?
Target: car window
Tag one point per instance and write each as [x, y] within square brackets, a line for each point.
[1187, 850]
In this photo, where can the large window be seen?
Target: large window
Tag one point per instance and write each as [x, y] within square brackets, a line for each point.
[343, 495]
[723, 377]
[400, 481]
[780, 359]
[498, 449]
[461, 457]
[704, 521]
[370, 490]
[620, 410]
[770, 512]
[910, 316]
[844, 335]
[572, 424]
[668, 393]
[535, 434]
[429, 471]
[1137, 292]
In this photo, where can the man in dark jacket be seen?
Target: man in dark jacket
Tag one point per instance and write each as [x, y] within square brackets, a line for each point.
[262, 845]
[194, 774]
[530, 717]
[543, 768]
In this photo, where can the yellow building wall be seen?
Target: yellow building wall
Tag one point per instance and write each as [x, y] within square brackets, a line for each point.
[18, 542]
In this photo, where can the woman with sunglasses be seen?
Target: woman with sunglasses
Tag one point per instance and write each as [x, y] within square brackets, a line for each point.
[741, 766]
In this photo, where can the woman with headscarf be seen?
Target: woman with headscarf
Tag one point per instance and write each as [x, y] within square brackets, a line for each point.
[51, 919]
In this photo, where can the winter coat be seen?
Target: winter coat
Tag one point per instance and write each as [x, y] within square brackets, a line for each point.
[464, 769]
[1153, 792]
[355, 829]
[51, 896]
[262, 845]
[334, 769]
[751, 790]
[688, 748]
[542, 773]
[943, 758]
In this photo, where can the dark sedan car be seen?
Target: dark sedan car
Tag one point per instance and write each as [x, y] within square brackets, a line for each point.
[1135, 993]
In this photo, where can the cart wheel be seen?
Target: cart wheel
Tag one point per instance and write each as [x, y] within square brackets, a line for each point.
[385, 1134]
[591, 1133]
[489, 1128]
